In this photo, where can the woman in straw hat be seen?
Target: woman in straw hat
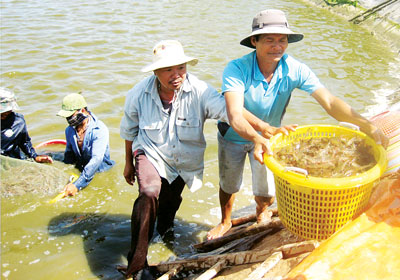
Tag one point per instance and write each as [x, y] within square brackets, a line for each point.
[164, 143]
[262, 82]
[15, 140]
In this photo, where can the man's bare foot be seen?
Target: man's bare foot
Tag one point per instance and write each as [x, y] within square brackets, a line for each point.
[218, 231]
[262, 212]
[264, 217]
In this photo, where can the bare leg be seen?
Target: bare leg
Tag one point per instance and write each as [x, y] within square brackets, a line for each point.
[226, 202]
[262, 212]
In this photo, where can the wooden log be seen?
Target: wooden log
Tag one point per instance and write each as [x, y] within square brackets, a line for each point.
[238, 258]
[238, 245]
[266, 266]
[250, 218]
[172, 272]
[229, 247]
[250, 230]
[210, 273]
[243, 220]
[248, 242]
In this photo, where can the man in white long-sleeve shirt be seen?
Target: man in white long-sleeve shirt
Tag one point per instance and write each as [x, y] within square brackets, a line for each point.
[164, 143]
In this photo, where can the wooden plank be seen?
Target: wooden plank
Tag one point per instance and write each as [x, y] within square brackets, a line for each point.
[238, 258]
[266, 266]
[210, 273]
[295, 249]
[231, 259]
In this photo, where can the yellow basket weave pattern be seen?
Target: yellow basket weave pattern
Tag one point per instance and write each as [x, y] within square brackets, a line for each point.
[313, 207]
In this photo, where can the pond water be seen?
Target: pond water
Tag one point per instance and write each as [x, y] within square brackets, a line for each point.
[52, 48]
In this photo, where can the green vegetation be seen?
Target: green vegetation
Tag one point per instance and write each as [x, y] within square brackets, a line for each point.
[341, 2]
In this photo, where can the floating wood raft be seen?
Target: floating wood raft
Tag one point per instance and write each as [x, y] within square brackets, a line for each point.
[234, 248]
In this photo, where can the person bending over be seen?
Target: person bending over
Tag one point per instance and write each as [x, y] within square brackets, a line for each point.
[87, 142]
[15, 140]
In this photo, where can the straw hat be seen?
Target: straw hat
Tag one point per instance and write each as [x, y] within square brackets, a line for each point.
[8, 102]
[271, 21]
[168, 53]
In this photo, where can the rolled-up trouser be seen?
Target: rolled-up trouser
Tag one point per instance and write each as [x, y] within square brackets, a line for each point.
[157, 199]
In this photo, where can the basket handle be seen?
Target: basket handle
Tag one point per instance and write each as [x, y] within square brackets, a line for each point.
[296, 169]
[350, 125]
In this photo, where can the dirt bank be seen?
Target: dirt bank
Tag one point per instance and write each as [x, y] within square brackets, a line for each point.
[384, 24]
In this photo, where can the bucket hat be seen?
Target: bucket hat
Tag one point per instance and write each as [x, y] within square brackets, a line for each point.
[8, 102]
[71, 103]
[271, 21]
[168, 53]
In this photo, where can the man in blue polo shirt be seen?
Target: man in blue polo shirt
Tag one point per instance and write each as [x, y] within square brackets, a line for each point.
[262, 82]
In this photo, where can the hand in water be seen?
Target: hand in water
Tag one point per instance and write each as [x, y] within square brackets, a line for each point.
[43, 159]
[70, 189]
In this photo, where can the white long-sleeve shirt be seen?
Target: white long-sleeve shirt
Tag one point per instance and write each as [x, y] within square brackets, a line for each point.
[174, 143]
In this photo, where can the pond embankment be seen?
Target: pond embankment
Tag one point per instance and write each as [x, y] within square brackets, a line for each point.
[380, 17]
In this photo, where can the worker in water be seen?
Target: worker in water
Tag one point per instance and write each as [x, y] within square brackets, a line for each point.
[15, 140]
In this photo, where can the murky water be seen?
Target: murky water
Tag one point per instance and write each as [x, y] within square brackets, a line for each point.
[51, 48]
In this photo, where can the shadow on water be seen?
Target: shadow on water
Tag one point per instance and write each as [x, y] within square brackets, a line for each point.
[106, 238]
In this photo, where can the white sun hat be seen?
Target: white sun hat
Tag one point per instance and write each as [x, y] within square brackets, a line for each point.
[8, 102]
[168, 53]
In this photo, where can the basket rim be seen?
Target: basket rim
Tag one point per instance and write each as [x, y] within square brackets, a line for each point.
[323, 182]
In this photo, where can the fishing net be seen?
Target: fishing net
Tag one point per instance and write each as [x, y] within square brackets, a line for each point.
[19, 177]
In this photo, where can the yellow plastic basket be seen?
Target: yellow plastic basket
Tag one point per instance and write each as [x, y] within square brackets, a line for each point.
[314, 207]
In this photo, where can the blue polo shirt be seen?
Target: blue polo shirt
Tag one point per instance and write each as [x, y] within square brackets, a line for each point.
[266, 101]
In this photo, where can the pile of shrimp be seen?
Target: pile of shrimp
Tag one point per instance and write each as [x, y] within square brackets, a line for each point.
[328, 157]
